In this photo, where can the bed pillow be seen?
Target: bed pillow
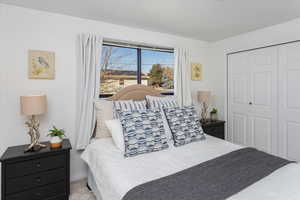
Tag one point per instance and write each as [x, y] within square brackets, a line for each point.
[160, 102]
[120, 105]
[139, 105]
[143, 131]
[115, 128]
[184, 124]
[127, 106]
[157, 102]
[104, 111]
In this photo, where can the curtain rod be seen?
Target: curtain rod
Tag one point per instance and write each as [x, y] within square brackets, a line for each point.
[128, 45]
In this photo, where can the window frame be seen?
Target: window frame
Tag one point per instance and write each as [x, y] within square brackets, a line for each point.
[139, 65]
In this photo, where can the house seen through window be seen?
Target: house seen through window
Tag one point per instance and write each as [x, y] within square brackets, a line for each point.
[122, 67]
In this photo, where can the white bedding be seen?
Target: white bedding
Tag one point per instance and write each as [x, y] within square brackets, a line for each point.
[116, 175]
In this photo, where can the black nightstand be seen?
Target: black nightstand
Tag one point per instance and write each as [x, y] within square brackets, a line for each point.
[42, 175]
[214, 128]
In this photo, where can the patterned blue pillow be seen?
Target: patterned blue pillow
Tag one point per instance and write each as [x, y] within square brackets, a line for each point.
[184, 124]
[143, 131]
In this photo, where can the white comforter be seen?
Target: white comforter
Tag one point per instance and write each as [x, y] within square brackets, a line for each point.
[116, 175]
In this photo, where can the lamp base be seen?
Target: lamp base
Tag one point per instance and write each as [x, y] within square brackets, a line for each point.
[33, 125]
[204, 112]
[204, 121]
[35, 148]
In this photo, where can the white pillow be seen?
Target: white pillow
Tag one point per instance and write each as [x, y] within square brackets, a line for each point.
[116, 131]
[104, 111]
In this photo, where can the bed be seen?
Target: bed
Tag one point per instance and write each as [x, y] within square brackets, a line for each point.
[112, 177]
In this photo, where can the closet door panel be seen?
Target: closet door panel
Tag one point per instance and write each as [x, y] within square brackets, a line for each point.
[239, 125]
[263, 95]
[293, 101]
[252, 102]
[238, 91]
[262, 88]
[262, 133]
[293, 138]
[289, 101]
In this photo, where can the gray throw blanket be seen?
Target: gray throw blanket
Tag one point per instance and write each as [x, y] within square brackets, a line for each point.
[215, 179]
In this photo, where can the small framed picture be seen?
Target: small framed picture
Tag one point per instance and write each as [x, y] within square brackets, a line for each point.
[196, 71]
[41, 64]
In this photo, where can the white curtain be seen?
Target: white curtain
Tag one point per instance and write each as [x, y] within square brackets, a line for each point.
[89, 51]
[183, 77]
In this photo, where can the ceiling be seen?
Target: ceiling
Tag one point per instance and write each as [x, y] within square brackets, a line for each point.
[208, 20]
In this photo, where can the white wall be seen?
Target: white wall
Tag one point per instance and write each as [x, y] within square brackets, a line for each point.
[217, 51]
[23, 29]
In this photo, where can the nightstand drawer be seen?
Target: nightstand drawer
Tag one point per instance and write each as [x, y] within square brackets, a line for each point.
[36, 165]
[216, 131]
[35, 180]
[41, 193]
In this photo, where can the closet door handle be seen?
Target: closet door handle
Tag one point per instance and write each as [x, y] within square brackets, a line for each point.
[250, 103]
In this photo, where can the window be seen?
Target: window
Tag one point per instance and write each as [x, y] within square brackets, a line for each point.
[158, 70]
[123, 66]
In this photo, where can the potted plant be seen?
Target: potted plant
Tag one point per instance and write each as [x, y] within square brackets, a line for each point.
[57, 136]
[214, 114]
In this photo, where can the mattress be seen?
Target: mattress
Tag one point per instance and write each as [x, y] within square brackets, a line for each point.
[115, 175]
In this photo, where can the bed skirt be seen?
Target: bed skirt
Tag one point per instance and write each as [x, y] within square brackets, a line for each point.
[92, 185]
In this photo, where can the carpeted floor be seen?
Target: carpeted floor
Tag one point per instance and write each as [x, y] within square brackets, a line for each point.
[79, 191]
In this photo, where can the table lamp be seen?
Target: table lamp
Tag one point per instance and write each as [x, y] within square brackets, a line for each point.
[204, 99]
[32, 105]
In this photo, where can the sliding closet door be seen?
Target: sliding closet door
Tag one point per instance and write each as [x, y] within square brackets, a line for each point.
[239, 95]
[263, 99]
[252, 102]
[289, 101]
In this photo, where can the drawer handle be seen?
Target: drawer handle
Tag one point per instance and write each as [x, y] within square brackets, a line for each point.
[38, 194]
[38, 179]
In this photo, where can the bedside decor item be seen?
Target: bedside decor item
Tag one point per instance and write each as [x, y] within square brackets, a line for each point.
[214, 114]
[204, 99]
[196, 71]
[41, 64]
[57, 136]
[32, 105]
[39, 175]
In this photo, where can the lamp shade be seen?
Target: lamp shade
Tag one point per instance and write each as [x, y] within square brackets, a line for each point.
[204, 96]
[33, 104]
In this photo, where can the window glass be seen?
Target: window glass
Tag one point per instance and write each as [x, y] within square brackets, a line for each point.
[158, 70]
[118, 69]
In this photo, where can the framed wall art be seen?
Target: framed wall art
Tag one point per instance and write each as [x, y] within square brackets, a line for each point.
[41, 64]
[196, 71]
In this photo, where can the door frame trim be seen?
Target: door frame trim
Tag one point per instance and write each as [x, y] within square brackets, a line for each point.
[262, 47]
[227, 76]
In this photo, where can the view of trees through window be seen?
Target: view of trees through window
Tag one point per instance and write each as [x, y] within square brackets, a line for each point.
[121, 67]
